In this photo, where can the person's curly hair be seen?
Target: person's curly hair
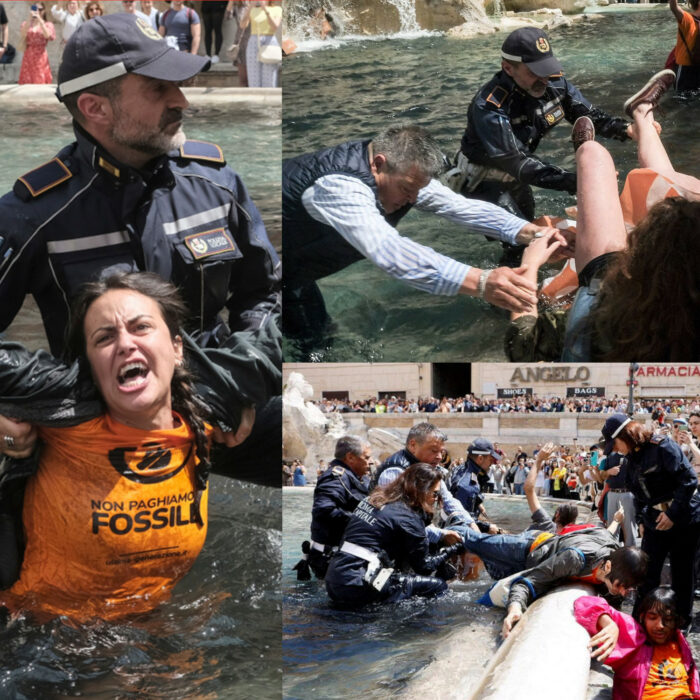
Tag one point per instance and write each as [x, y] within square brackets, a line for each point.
[649, 306]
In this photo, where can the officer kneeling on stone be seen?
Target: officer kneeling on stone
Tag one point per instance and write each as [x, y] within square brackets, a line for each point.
[384, 554]
[338, 491]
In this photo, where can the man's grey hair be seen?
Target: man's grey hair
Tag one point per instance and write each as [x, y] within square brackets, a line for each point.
[423, 431]
[349, 444]
[408, 146]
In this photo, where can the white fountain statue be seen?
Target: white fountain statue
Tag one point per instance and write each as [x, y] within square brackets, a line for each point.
[310, 435]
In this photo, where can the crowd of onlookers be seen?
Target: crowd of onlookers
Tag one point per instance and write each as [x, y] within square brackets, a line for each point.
[258, 60]
[517, 404]
[571, 472]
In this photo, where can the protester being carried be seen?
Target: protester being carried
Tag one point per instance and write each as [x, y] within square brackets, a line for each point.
[85, 516]
[618, 271]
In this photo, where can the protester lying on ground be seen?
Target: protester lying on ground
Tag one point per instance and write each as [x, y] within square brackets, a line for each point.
[648, 652]
[542, 560]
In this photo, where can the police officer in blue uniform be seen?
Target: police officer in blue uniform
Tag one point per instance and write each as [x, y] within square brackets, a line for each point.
[338, 491]
[384, 554]
[131, 193]
[509, 116]
[664, 486]
[468, 480]
[425, 443]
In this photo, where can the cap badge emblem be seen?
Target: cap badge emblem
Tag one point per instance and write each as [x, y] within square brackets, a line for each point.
[542, 45]
[147, 29]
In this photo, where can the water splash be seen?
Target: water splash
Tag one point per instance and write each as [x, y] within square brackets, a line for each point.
[407, 15]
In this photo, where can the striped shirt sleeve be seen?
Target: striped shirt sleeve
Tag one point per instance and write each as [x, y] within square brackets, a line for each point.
[477, 216]
[349, 206]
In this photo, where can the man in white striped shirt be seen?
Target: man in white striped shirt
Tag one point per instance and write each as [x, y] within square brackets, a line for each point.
[342, 204]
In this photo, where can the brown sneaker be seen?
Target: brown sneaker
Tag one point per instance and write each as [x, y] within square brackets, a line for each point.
[652, 92]
[583, 130]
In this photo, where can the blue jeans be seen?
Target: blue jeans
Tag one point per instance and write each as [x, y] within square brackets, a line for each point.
[502, 555]
[519, 489]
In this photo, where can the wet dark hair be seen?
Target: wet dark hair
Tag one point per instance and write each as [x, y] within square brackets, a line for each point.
[661, 600]
[410, 486]
[565, 514]
[628, 566]
[174, 313]
[645, 279]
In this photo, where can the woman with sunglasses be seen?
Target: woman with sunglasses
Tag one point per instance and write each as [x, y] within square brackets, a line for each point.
[385, 537]
[92, 10]
[36, 34]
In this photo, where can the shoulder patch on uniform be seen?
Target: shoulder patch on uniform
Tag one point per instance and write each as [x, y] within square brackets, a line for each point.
[202, 150]
[338, 471]
[498, 95]
[45, 177]
[656, 439]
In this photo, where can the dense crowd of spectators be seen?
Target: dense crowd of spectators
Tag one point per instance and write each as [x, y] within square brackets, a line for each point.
[516, 404]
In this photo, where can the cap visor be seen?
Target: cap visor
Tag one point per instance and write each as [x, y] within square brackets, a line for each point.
[496, 456]
[546, 68]
[174, 66]
[608, 447]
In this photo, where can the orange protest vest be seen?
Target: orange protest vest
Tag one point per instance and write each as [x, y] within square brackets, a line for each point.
[108, 520]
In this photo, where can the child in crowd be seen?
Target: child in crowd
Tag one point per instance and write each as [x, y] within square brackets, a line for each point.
[649, 654]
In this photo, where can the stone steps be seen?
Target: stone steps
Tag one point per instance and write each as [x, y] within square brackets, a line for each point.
[220, 75]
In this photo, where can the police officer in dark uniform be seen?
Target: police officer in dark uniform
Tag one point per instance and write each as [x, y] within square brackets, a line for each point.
[385, 538]
[469, 481]
[338, 491]
[509, 116]
[425, 443]
[666, 500]
[131, 193]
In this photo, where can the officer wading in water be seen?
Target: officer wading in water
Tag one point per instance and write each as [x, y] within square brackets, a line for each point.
[132, 193]
[509, 116]
[338, 491]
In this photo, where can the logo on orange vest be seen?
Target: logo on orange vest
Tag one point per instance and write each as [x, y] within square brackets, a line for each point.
[143, 465]
[542, 45]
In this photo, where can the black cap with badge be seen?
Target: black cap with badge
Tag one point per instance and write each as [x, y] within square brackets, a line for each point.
[107, 47]
[531, 46]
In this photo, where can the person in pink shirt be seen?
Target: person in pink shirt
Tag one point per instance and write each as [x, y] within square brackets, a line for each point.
[649, 655]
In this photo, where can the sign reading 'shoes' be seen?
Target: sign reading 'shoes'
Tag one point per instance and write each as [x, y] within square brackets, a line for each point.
[509, 393]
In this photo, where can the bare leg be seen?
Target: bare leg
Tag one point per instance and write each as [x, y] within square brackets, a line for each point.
[600, 226]
[652, 154]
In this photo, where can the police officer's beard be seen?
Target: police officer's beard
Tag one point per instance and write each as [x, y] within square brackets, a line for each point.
[151, 140]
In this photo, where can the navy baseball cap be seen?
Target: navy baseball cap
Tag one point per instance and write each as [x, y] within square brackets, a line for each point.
[481, 446]
[107, 47]
[612, 428]
[531, 46]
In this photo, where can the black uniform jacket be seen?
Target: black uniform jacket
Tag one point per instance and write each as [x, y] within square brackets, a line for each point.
[505, 125]
[337, 493]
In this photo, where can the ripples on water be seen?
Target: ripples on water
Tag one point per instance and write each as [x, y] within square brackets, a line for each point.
[217, 637]
[374, 651]
[357, 87]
